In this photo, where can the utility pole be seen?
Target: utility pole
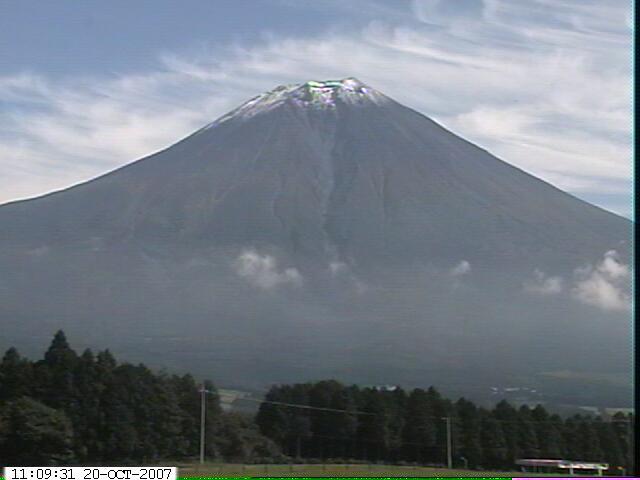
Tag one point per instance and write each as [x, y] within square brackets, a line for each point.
[449, 458]
[203, 408]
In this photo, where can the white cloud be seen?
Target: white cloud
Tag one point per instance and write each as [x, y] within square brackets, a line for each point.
[263, 272]
[337, 267]
[462, 268]
[612, 267]
[342, 269]
[541, 284]
[545, 85]
[605, 285]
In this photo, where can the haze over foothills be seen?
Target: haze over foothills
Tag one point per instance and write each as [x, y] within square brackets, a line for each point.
[544, 85]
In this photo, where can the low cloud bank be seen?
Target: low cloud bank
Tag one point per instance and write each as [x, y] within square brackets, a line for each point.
[263, 272]
[542, 284]
[606, 285]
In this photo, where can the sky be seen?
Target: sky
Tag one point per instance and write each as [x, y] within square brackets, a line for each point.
[86, 87]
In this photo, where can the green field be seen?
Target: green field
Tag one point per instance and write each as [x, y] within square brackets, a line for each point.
[237, 470]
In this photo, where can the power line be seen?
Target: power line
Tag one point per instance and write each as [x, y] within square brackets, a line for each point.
[478, 423]
[308, 407]
[453, 418]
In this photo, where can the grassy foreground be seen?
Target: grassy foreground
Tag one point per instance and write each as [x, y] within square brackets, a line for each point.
[236, 470]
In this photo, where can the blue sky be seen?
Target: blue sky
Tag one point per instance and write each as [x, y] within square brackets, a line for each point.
[88, 86]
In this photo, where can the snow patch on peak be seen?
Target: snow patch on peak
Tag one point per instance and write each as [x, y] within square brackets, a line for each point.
[311, 94]
[327, 93]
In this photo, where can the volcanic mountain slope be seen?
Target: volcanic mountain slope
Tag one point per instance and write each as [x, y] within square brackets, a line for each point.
[319, 230]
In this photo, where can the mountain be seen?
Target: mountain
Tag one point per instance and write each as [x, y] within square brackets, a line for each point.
[323, 230]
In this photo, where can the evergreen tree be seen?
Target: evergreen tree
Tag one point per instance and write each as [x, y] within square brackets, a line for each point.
[611, 447]
[441, 408]
[239, 441]
[55, 374]
[508, 418]
[326, 425]
[588, 442]
[526, 434]
[60, 355]
[118, 413]
[16, 376]
[272, 419]
[470, 446]
[549, 433]
[419, 433]
[622, 426]
[118, 429]
[373, 429]
[396, 403]
[87, 412]
[33, 434]
[571, 438]
[188, 401]
[493, 441]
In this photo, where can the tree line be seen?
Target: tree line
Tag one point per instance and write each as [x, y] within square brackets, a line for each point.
[89, 409]
[70, 409]
[398, 426]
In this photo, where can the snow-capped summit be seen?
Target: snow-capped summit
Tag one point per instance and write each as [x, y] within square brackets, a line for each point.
[325, 95]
